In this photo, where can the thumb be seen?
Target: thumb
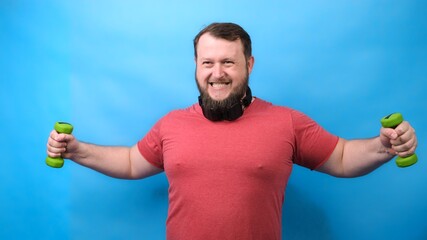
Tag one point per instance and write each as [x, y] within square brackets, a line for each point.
[62, 137]
[389, 133]
[386, 135]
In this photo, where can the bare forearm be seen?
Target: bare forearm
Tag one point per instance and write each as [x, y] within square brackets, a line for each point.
[361, 157]
[112, 161]
[356, 157]
[118, 162]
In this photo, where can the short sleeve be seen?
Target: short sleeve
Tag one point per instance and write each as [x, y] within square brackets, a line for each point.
[150, 146]
[314, 144]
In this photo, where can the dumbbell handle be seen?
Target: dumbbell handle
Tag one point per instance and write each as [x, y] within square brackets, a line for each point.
[60, 127]
[392, 121]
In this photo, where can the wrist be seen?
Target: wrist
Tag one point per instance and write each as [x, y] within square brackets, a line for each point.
[385, 149]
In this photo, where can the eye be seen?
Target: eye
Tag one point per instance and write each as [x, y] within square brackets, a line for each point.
[228, 62]
[207, 63]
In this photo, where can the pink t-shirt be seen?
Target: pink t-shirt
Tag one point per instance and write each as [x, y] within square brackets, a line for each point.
[227, 179]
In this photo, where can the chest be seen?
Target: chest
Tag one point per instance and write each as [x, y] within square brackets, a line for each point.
[252, 150]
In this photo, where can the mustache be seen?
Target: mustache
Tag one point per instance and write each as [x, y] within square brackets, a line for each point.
[222, 105]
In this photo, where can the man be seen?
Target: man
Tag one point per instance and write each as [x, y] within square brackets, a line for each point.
[228, 158]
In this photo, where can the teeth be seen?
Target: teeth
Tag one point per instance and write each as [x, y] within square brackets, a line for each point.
[218, 83]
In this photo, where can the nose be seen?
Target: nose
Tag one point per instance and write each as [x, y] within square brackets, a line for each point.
[218, 71]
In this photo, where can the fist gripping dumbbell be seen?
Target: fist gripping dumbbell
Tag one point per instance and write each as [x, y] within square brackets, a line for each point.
[60, 127]
[392, 121]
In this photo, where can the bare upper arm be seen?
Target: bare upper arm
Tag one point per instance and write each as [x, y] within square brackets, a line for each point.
[333, 166]
[140, 167]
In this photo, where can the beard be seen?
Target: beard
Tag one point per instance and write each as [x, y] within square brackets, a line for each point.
[222, 106]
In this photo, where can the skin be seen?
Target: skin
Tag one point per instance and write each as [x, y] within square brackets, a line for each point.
[359, 157]
[220, 67]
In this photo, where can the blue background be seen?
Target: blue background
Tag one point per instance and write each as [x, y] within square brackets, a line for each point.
[113, 69]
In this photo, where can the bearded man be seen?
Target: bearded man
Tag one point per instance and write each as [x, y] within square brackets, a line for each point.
[228, 157]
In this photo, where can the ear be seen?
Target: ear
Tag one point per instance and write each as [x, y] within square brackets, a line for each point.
[250, 63]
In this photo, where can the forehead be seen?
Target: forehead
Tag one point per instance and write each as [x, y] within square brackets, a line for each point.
[210, 46]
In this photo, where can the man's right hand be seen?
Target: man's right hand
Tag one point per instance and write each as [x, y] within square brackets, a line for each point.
[61, 145]
[114, 161]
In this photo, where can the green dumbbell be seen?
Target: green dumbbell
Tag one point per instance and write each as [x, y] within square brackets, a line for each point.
[60, 127]
[392, 121]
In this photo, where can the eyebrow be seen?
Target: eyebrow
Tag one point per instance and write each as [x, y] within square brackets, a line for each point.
[221, 60]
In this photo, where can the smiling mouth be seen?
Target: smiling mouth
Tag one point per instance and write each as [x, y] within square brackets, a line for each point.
[219, 84]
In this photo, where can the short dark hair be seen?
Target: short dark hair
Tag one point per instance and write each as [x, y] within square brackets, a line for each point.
[227, 31]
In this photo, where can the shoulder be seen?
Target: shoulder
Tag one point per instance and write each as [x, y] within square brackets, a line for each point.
[192, 110]
[277, 113]
[182, 115]
[261, 106]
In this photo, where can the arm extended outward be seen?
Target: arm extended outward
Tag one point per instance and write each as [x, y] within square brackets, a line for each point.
[118, 162]
[353, 158]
